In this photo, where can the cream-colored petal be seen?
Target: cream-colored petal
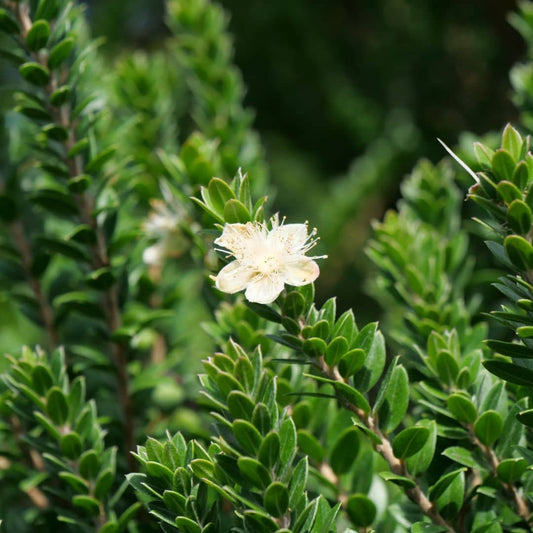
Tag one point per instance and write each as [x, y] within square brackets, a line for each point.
[292, 237]
[264, 290]
[300, 271]
[153, 255]
[236, 238]
[233, 278]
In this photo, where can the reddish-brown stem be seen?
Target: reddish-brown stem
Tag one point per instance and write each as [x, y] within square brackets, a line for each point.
[415, 494]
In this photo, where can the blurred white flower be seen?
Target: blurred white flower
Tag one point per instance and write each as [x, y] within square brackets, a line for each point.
[163, 225]
[266, 260]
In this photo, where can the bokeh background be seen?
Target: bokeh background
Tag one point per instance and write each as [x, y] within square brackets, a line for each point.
[348, 95]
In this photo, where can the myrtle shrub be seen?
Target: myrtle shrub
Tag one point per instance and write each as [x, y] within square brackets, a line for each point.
[165, 362]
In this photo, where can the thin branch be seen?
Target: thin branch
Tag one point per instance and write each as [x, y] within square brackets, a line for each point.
[99, 255]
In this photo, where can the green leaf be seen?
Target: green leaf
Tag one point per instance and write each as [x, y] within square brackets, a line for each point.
[35, 73]
[47, 9]
[261, 418]
[219, 194]
[101, 279]
[409, 441]
[254, 471]
[71, 445]
[462, 408]
[462, 456]
[521, 175]
[87, 503]
[346, 392]
[236, 212]
[276, 499]
[293, 305]
[77, 483]
[448, 493]
[57, 406]
[247, 435]
[503, 165]
[421, 460]
[511, 470]
[488, 427]
[68, 249]
[519, 251]
[309, 445]
[361, 510]
[424, 527]
[258, 522]
[519, 217]
[89, 464]
[240, 405]
[401, 481]
[512, 349]
[526, 417]
[446, 366]
[103, 483]
[344, 451]
[42, 379]
[314, 347]
[38, 35]
[512, 142]
[100, 159]
[8, 23]
[352, 362]
[187, 525]
[393, 398]
[335, 350]
[509, 192]
[60, 52]
[510, 372]
[372, 342]
[79, 184]
[269, 449]
[288, 440]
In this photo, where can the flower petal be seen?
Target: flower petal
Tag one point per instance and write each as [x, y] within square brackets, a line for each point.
[300, 271]
[292, 237]
[233, 278]
[264, 290]
[153, 255]
[236, 238]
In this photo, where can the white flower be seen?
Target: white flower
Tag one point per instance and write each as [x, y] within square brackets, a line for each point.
[163, 224]
[265, 260]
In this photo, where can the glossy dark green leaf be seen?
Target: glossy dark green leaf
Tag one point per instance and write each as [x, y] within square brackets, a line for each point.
[258, 522]
[351, 362]
[57, 406]
[288, 440]
[446, 366]
[401, 481]
[519, 217]
[448, 493]
[42, 379]
[8, 23]
[38, 35]
[46, 9]
[89, 464]
[335, 350]
[35, 73]
[71, 445]
[512, 141]
[521, 175]
[393, 399]
[409, 441]
[87, 503]
[187, 525]
[60, 96]
[101, 279]
[519, 251]
[503, 165]
[240, 405]
[247, 435]
[526, 417]
[293, 305]
[314, 347]
[68, 249]
[56, 132]
[79, 485]
[508, 192]
[60, 52]
[421, 460]
[511, 470]
[488, 427]
[512, 349]
[361, 510]
[372, 342]
[461, 455]
[254, 471]
[344, 451]
[276, 499]
[79, 184]
[99, 160]
[462, 408]
[510, 372]
[310, 445]
[269, 449]
[236, 212]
